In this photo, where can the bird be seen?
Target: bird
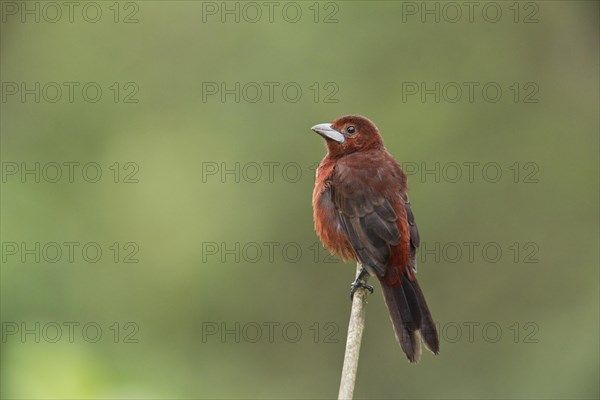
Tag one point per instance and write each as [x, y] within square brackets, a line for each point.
[362, 213]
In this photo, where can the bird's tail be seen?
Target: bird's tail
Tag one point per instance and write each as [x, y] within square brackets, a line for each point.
[410, 316]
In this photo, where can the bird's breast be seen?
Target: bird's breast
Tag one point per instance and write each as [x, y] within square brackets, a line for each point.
[328, 224]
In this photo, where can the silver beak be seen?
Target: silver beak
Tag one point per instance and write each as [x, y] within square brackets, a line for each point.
[328, 132]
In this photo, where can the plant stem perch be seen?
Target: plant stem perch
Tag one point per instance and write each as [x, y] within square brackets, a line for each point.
[353, 341]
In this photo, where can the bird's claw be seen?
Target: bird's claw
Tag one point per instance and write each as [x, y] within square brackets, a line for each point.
[359, 284]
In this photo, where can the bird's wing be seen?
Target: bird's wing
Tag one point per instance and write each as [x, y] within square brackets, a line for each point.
[415, 240]
[366, 213]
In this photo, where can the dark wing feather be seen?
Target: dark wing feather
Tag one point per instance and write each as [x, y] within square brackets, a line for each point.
[366, 214]
[415, 240]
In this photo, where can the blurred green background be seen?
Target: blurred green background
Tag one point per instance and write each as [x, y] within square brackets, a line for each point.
[183, 321]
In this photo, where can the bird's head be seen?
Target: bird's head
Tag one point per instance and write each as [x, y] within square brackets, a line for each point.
[349, 134]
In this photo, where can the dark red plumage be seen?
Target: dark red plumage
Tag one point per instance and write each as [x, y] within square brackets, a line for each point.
[362, 213]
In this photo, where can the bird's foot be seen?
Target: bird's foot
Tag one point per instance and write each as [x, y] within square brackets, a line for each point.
[359, 283]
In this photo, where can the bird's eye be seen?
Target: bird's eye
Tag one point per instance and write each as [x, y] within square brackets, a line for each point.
[351, 129]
